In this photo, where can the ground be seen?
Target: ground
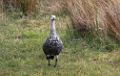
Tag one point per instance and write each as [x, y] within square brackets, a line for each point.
[21, 51]
[21, 54]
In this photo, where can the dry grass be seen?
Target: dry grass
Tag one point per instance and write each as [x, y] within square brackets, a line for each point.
[55, 7]
[100, 15]
[88, 16]
[25, 6]
[112, 18]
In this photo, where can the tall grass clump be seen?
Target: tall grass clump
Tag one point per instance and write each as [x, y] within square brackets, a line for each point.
[96, 21]
[55, 7]
[95, 16]
[26, 7]
[112, 18]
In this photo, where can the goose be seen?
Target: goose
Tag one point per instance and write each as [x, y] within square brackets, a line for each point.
[53, 44]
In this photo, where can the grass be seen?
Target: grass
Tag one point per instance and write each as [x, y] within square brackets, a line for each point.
[95, 16]
[21, 52]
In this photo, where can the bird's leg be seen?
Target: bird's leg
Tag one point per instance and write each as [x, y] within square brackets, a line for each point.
[56, 61]
[48, 62]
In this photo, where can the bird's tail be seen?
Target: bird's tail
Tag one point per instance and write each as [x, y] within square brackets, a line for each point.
[50, 57]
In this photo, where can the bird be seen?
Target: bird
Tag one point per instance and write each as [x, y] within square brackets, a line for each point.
[53, 45]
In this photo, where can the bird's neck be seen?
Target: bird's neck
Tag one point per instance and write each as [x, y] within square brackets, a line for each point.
[52, 28]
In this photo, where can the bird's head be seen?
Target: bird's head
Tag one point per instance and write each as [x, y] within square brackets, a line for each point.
[53, 17]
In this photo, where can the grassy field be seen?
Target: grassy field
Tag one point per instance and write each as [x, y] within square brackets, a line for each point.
[21, 52]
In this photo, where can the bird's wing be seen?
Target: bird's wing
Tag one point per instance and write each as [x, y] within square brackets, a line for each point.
[60, 40]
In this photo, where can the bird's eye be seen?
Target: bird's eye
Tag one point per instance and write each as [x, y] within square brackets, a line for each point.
[53, 19]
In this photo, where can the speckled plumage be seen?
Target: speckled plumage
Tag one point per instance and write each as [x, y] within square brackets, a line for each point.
[53, 44]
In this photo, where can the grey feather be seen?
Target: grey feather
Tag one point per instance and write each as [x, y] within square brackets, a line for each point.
[53, 44]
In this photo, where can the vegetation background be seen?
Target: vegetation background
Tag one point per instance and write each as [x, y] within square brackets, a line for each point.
[89, 29]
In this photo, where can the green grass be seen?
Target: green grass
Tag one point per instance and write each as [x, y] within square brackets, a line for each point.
[21, 51]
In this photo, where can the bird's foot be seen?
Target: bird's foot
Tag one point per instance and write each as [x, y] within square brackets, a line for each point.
[55, 65]
[49, 62]
[56, 61]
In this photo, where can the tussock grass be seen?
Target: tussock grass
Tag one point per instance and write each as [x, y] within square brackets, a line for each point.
[95, 15]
